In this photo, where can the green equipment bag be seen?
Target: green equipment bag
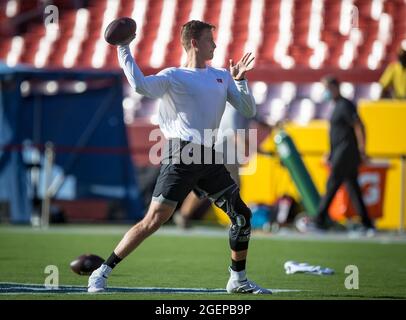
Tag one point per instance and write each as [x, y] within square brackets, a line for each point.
[292, 160]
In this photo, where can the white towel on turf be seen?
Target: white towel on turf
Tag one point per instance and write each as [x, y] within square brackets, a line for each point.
[292, 267]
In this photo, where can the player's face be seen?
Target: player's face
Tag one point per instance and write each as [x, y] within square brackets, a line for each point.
[205, 45]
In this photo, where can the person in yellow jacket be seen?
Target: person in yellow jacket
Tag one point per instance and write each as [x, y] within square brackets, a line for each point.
[393, 80]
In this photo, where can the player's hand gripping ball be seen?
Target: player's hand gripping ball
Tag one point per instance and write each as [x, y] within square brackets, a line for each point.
[120, 31]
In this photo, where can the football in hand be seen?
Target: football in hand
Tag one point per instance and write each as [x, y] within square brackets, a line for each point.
[120, 31]
[86, 264]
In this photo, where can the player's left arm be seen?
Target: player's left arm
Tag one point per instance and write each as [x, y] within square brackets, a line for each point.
[238, 93]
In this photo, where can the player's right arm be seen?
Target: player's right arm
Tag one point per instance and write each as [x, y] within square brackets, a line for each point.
[153, 86]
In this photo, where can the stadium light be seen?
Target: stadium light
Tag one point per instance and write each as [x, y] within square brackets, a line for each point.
[129, 109]
[346, 17]
[378, 51]
[288, 91]
[259, 91]
[80, 86]
[372, 62]
[51, 35]
[319, 55]
[11, 8]
[347, 57]
[138, 15]
[343, 63]
[224, 32]
[376, 9]
[154, 119]
[128, 103]
[307, 112]
[314, 62]
[99, 54]
[356, 36]
[42, 54]
[315, 24]
[51, 87]
[385, 28]
[347, 90]
[384, 37]
[196, 13]
[285, 35]
[79, 34]
[277, 111]
[110, 13]
[25, 88]
[71, 53]
[255, 34]
[164, 33]
[82, 18]
[316, 92]
[287, 62]
[375, 91]
[13, 57]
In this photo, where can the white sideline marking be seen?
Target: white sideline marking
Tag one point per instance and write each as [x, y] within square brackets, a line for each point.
[13, 288]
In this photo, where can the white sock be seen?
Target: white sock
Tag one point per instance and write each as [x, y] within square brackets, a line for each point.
[238, 275]
[105, 269]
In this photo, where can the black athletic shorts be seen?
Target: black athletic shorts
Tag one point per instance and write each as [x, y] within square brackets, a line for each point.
[177, 178]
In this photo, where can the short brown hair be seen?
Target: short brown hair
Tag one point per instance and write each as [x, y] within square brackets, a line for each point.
[193, 30]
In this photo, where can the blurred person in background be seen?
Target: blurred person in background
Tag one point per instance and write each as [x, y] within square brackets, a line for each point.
[347, 152]
[393, 80]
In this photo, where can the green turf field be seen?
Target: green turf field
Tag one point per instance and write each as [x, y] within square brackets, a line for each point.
[200, 261]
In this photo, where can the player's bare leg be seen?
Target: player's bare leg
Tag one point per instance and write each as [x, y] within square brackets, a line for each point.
[239, 255]
[158, 213]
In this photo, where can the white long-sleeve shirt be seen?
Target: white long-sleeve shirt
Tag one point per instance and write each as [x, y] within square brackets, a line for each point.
[192, 99]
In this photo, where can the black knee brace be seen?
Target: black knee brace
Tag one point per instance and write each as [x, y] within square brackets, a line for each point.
[240, 216]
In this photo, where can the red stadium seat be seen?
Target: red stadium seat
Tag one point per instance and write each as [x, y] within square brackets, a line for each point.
[32, 30]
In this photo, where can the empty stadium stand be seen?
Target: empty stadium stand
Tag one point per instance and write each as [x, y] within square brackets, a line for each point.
[295, 43]
[284, 34]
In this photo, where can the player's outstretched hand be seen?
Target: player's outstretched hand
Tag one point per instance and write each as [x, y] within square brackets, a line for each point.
[245, 64]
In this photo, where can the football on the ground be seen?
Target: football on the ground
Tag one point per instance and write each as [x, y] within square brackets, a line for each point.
[120, 30]
[86, 264]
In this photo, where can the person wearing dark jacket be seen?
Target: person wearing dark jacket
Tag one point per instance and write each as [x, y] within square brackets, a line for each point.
[347, 152]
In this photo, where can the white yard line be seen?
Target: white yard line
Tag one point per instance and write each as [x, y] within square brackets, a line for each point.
[12, 288]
